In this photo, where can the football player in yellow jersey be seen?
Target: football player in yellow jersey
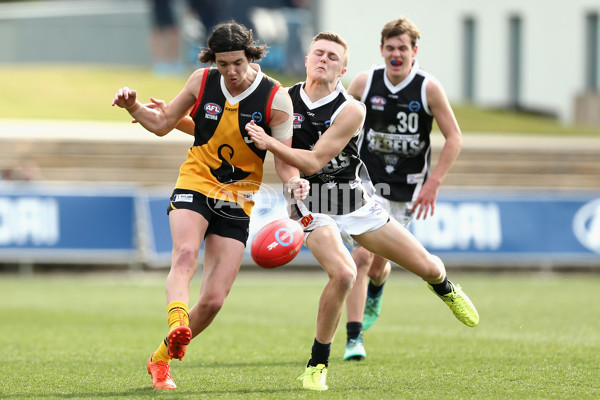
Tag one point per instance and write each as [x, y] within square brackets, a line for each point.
[212, 199]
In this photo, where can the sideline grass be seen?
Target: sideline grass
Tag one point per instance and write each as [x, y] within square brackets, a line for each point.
[88, 337]
[84, 92]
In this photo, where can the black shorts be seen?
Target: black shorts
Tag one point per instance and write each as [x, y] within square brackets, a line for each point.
[225, 218]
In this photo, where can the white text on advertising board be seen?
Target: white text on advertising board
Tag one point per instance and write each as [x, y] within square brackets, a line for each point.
[28, 221]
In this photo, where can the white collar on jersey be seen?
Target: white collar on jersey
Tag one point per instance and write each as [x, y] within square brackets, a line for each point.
[234, 100]
[396, 88]
[324, 100]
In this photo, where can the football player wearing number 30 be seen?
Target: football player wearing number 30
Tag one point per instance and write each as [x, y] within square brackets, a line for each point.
[402, 102]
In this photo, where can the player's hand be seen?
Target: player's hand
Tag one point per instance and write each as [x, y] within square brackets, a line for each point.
[155, 104]
[258, 135]
[125, 98]
[424, 205]
[298, 187]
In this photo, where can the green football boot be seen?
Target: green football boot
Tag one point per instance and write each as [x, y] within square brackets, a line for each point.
[355, 350]
[372, 310]
[314, 378]
[460, 304]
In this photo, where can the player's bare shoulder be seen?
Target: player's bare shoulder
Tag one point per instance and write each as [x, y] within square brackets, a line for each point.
[195, 80]
[358, 85]
[435, 92]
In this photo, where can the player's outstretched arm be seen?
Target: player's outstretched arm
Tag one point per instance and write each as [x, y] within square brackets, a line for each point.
[331, 143]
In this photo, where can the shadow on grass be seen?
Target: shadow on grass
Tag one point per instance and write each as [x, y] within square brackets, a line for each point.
[248, 364]
[149, 392]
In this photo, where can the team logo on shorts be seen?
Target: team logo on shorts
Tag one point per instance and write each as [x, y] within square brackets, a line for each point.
[183, 198]
[376, 208]
[306, 220]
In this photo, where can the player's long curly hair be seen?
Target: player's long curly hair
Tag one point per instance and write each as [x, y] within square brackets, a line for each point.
[231, 36]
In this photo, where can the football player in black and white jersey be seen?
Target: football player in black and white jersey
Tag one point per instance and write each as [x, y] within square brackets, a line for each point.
[402, 101]
[327, 125]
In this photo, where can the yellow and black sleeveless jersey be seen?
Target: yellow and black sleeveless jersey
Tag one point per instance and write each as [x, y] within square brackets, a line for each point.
[224, 164]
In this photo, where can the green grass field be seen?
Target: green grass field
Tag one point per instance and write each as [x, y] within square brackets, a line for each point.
[89, 337]
[84, 92]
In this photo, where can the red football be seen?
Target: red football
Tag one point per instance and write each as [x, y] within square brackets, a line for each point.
[277, 243]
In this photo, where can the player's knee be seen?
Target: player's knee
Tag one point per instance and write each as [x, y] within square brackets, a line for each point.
[211, 305]
[345, 276]
[185, 260]
[379, 270]
[363, 259]
[436, 271]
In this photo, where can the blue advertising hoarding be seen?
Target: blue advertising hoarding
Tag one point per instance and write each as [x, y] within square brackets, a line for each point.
[470, 227]
[473, 226]
[123, 224]
[40, 222]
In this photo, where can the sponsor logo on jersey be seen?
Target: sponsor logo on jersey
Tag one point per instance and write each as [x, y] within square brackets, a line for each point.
[257, 117]
[414, 106]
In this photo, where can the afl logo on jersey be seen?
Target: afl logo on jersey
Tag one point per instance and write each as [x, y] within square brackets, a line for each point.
[378, 101]
[414, 106]
[257, 117]
[298, 119]
[213, 108]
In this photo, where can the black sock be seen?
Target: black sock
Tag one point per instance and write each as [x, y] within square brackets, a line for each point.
[353, 329]
[375, 290]
[320, 354]
[443, 287]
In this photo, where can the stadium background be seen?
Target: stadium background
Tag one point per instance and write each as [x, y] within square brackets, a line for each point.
[86, 333]
[511, 200]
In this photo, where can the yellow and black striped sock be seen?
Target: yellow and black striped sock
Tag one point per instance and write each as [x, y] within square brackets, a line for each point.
[162, 353]
[178, 314]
